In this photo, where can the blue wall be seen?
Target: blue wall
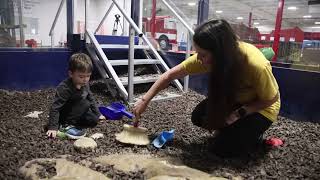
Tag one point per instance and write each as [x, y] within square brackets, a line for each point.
[30, 69]
[36, 68]
[299, 90]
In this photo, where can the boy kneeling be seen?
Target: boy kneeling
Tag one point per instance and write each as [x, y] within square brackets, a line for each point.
[74, 107]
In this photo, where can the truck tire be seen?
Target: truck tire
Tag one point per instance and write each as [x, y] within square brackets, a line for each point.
[164, 42]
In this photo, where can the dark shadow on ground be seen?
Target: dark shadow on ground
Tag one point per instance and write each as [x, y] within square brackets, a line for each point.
[199, 155]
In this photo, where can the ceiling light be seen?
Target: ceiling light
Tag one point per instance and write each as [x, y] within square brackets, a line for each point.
[191, 4]
[239, 18]
[256, 23]
[315, 27]
[316, 22]
[219, 11]
[307, 16]
[292, 8]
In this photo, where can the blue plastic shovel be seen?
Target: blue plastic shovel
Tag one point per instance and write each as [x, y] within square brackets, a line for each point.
[115, 111]
[122, 108]
[163, 138]
[110, 113]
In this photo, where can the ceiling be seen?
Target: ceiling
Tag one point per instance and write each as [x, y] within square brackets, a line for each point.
[263, 12]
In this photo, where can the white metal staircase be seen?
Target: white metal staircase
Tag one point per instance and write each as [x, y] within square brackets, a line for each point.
[129, 80]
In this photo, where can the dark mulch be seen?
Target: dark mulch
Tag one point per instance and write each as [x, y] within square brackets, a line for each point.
[23, 139]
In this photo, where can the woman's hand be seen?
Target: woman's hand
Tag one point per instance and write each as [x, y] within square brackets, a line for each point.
[139, 107]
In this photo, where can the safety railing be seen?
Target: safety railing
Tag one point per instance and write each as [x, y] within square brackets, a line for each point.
[104, 18]
[189, 39]
[102, 56]
[51, 33]
[135, 28]
[145, 39]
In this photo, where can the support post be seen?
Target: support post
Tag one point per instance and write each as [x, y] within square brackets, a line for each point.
[277, 28]
[153, 18]
[186, 78]
[131, 65]
[20, 9]
[70, 21]
[86, 21]
[203, 11]
[135, 11]
[104, 18]
[250, 20]
[52, 39]
[140, 14]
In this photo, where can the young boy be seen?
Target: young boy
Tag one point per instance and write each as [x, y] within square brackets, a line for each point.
[74, 107]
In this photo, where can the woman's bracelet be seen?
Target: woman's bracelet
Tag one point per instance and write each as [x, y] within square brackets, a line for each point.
[143, 99]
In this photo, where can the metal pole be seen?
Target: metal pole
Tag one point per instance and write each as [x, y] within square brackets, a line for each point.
[106, 61]
[250, 20]
[203, 11]
[153, 18]
[275, 45]
[56, 17]
[186, 78]
[52, 39]
[21, 23]
[131, 65]
[154, 51]
[135, 11]
[10, 18]
[140, 14]
[178, 16]
[70, 21]
[104, 17]
[86, 21]
[186, 83]
[140, 19]
[249, 33]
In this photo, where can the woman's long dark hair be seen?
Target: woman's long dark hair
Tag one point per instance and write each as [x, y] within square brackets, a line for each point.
[228, 64]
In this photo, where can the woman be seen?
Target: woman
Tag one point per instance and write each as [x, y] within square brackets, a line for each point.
[243, 98]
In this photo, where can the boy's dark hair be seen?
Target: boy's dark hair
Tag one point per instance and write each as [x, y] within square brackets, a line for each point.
[80, 62]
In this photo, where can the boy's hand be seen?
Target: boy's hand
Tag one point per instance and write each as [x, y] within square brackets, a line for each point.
[101, 117]
[52, 133]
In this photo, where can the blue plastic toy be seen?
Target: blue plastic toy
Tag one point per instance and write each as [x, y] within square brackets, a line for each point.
[115, 111]
[163, 138]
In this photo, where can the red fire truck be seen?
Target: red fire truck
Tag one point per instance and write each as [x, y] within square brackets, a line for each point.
[165, 30]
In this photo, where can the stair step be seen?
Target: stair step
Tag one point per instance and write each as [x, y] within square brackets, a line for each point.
[162, 97]
[122, 62]
[166, 96]
[122, 46]
[140, 79]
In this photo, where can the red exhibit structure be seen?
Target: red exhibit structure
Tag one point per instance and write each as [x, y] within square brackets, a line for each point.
[295, 35]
